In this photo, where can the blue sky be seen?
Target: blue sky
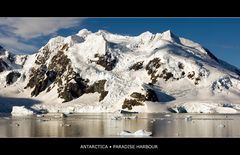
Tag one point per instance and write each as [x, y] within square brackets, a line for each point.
[220, 35]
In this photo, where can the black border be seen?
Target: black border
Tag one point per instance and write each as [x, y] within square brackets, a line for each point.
[121, 8]
[170, 145]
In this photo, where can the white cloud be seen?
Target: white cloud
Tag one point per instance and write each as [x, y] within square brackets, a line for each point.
[15, 31]
[32, 27]
[13, 44]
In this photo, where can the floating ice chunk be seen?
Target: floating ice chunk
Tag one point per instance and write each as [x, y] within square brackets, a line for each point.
[226, 110]
[125, 133]
[69, 110]
[188, 118]
[167, 115]
[137, 133]
[131, 117]
[116, 115]
[116, 118]
[143, 133]
[221, 126]
[153, 120]
[21, 111]
[40, 115]
[61, 115]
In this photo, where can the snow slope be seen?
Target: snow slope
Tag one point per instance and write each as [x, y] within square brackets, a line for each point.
[105, 72]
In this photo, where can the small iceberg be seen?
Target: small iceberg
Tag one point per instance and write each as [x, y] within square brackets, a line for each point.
[137, 133]
[21, 111]
[188, 118]
[116, 118]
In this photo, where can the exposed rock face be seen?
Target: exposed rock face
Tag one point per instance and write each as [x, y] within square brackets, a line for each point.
[98, 87]
[221, 84]
[139, 99]
[138, 96]
[137, 66]
[180, 65]
[196, 77]
[38, 80]
[74, 89]
[12, 77]
[152, 67]
[191, 75]
[108, 61]
[43, 56]
[166, 75]
[58, 72]
[157, 71]
[129, 103]
[151, 96]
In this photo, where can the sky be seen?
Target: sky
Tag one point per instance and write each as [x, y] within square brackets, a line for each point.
[27, 34]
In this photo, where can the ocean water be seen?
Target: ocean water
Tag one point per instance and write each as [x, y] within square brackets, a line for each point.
[101, 125]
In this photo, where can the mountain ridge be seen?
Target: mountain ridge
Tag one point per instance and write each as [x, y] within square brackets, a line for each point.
[105, 72]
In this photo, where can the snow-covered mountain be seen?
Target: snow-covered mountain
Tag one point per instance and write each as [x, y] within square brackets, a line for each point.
[105, 72]
[10, 66]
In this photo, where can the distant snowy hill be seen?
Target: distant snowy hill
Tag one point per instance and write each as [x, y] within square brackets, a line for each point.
[105, 72]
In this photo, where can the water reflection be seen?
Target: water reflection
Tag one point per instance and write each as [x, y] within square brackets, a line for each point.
[101, 125]
[199, 126]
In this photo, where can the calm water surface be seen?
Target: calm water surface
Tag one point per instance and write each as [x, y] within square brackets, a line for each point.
[101, 125]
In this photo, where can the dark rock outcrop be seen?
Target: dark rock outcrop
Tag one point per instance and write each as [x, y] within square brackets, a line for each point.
[191, 75]
[152, 67]
[43, 56]
[11, 57]
[151, 96]
[108, 61]
[12, 77]
[98, 87]
[51, 75]
[129, 103]
[139, 98]
[58, 73]
[137, 66]
[36, 75]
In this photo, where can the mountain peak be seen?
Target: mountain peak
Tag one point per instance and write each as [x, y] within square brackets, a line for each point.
[83, 32]
[168, 35]
[147, 33]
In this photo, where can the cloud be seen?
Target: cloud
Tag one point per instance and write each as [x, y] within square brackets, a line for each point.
[32, 27]
[15, 31]
[13, 44]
